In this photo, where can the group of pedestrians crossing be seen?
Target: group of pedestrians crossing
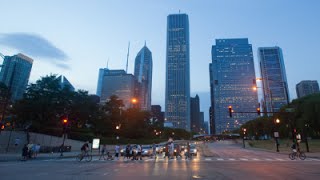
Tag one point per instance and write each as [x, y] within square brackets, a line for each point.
[133, 152]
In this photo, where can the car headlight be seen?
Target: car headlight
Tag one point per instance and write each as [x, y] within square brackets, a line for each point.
[185, 150]
[175, 150]
[194, 150]
[121, 150]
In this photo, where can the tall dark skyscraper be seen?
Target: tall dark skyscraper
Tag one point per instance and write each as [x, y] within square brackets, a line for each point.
[274, 79]
[143, 73]
[177, 110]
[211, 127]
[195, 114]
[305, 88]
[232, 75]
[15, 74]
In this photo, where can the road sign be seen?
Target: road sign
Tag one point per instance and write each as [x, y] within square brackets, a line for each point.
[276, 134]
[95, 143]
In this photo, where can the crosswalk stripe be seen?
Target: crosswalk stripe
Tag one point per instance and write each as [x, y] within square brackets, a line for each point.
[279, 159]
[243, 159]
[231, 159]
[220, 159]
[255, 159]
[207, 159]
[268, 159]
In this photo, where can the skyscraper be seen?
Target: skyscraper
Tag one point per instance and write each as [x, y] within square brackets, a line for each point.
[195, 114]
[15, 74]
[274, 79]
[178, 72]
[157, 115]
[143, 73]
[64, 82]
[116, 82]
[211, 128]
[305, 88]
[232, 75]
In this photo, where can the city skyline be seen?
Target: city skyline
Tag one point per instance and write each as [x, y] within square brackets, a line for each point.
[98, 36]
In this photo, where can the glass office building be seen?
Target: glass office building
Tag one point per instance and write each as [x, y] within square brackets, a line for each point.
[232, 76]
[143, 73]
[305, 88]
[177, 110]
[116, 82]
[274, 79]
[15, 74]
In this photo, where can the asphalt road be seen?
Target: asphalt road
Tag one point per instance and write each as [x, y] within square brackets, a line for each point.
[229, 162]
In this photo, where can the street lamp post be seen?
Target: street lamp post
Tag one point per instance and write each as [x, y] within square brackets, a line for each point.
[276, 133]
[244, 134]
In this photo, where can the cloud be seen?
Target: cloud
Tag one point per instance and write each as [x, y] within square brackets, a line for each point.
[34, 45]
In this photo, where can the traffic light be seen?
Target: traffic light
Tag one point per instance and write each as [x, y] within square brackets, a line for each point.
[244, 131]
[230, 111]
[258, 111]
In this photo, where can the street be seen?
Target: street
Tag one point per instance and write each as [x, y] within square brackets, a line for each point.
[229, 161]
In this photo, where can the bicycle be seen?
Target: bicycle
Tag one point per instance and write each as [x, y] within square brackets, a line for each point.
[296, 154]
[86, 156]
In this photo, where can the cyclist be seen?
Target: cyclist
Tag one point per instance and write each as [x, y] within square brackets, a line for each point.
[294, 148]
[85, 148]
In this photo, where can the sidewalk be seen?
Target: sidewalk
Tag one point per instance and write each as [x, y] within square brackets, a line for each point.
[6, 157]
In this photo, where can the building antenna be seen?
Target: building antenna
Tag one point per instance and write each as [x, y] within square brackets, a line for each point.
[179, 11]
[108, 64]
[128, 57]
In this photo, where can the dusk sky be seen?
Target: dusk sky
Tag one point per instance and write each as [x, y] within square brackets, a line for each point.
[77, 37]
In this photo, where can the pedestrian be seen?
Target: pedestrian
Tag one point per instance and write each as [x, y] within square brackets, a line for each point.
[166, 151]
[103, 150]
[139, 149]
[117, 150]
[133, 152]
[178, 151]
[171, 150]
[128, 151]
[17, 142]
[154, 151]
[25, 152]
[188, 151]
[36, 149]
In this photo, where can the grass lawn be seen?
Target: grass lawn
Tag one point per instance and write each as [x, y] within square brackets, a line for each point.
[285, 144]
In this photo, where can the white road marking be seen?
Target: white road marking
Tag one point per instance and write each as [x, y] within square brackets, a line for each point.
[231, 159]
[255, 159]
[220, 159]
[243, 159]
[208, 159]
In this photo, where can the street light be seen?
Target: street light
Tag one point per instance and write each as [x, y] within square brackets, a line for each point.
[276, 133]
[244, 133]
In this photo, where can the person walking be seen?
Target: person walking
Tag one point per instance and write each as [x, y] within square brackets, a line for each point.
[25, 152]
[127, 152]
[178, 151]
[139, 149]
[171, 150]
[154, 151]
[103, 150]
[117, 150]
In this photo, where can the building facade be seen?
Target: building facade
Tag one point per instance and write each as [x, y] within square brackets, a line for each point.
[195, 114]
[177, 96]
[232, 75]
[212, 128]
[157, 115]
[119, 83]
[274, 79]
[305, 88]
[143, 73]
[15, 73]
